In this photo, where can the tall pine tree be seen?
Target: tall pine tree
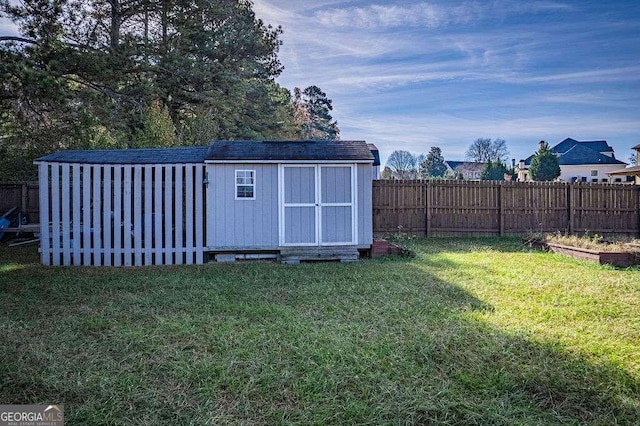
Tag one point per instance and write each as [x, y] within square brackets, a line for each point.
[545, 165]
[312, 111]
[80, 69]
[433, 165]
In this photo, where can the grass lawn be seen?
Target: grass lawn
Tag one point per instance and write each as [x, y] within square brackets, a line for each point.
[468, 331]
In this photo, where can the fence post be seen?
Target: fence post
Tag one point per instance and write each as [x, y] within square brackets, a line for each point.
[638, 210]
[501, 207]
[428, 208]
[24, 197]
[570, 206]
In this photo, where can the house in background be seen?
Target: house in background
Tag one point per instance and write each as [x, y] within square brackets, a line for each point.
[468, 169]
[629, 172]
[581, 161]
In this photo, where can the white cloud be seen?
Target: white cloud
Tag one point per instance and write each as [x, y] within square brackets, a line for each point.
[631, 73]
[428, 15]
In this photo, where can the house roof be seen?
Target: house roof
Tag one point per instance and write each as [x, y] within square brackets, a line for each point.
[629, 171]
[581, 154]
[289, 151]
[465, 165]
[568, 143]
[192, 154]
[636, 147]
[573, 153]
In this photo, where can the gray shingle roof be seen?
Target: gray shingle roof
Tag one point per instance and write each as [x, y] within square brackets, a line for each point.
[581, 154]
[568, 143]
[573, 153]
[465, 165]
[222, 150]
[376, 154]
[192, 154]
[289, 151]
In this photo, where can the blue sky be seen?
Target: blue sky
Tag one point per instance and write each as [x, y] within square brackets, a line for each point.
[413, 74]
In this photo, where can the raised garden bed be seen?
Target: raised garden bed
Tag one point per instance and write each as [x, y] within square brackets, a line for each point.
[621, 258]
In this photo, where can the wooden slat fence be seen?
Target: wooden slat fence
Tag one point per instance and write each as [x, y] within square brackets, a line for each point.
[485, 208]
[121, 215]
[23, 195]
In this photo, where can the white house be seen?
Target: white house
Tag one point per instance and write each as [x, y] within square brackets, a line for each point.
[632, 172]
[582, 161]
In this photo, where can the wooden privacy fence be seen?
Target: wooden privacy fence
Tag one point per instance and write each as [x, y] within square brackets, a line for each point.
[484, 208]
[23, 195]
[114, 214]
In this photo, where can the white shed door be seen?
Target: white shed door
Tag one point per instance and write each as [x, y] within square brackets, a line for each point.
[318, 205]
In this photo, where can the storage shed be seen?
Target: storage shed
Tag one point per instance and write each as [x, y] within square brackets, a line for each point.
[301, 199]
[294, 200]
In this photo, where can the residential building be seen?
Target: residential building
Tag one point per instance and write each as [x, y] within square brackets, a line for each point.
[582, 161]
[468, 169]
[629, 173]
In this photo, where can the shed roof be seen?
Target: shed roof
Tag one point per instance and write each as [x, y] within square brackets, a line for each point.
[191, 154]
[289, 151]
[376, 154]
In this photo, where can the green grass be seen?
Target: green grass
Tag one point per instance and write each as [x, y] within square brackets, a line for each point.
[467, 331]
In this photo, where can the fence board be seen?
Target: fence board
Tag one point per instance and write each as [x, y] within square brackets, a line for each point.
[179, 207]
[76, 215]
[96, 225]
[55, 214]
[106, 215]
[129, 231]
[189, 215]
[148, 215]
[66, 216]
[43, 175]
[168, 215]
[86, 215]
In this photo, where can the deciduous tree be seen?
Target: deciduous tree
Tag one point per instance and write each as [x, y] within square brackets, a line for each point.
[485, 150]
[403, 164]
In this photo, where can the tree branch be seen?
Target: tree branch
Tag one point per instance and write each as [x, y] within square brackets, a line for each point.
[16, 38]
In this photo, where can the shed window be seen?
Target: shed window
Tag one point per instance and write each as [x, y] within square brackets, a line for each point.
[245, 184]
[594, 173]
